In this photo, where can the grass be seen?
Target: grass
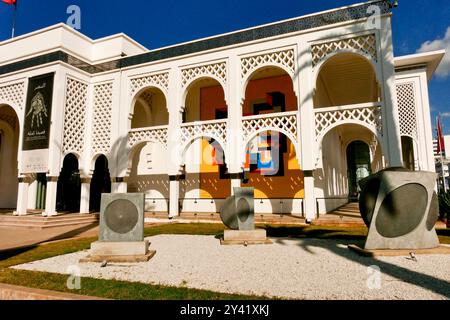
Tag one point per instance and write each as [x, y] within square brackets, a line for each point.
[114, 289]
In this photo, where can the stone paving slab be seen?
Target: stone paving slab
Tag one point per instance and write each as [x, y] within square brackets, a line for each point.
[10, 292]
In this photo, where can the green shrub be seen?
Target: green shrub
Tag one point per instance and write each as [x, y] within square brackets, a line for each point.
[444, 204]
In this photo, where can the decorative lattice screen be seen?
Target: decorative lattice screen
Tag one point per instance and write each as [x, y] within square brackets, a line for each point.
[407, 109]
[101, 124]
[284, 58]
[147, 135]
[284, 123]
[367, 115]
[366, 44]
[74, 116]
[13, 93]
[160, 80]
[216, 130]
[217, 70]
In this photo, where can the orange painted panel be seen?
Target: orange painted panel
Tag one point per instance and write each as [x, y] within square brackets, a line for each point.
[211, 186]
[257, 89]
[211, 99]
[291, 185]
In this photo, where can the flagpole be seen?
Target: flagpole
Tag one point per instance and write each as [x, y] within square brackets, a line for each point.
[14, 21]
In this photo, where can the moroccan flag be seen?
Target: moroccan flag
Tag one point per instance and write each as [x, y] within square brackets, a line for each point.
[440, 138]
[10, 1]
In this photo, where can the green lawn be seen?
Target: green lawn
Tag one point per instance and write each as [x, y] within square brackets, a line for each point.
[126, 290]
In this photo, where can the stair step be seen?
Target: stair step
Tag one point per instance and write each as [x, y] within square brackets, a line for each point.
[40, 222]
[29, 226]
[26, 218]
[46, 223]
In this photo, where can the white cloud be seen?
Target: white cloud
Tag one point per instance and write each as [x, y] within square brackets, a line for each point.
[439, 44]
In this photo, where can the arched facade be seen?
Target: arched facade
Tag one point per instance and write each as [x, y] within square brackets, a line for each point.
[149, 109]
[345, 78]
[333, 177]
[149, 112]
[206, 182]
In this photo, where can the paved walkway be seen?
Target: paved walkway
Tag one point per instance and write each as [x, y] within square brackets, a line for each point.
[10, 292]
[16, 238]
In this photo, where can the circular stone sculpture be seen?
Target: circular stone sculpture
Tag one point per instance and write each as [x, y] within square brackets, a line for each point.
[228, 214]
[237, 212]
[399, 215]
[433, 214]
[370, 187]
[400, 209]
[121, 216]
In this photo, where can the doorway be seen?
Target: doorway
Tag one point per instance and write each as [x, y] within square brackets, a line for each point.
[358, 166]
[69, 186]
[100, 183]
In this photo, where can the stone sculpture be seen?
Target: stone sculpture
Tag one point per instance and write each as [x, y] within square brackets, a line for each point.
[121, 237]
[237, 213]
[400, 209]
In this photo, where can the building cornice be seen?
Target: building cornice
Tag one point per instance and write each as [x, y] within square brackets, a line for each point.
[317, 20]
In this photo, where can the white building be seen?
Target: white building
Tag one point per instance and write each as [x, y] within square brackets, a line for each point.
[443, 170]
[445, 154]
[337, 104]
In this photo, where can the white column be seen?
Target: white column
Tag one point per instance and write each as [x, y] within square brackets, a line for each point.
[307, 127]
[235, 181]
[391, 127]
[174, 145]
[55, 155]
[174, 197]
[309, 202]
[235, 148]
[32, 194]
[85, 195]
[50, 201]
[426, 130]
[119, 185]
[22, 197]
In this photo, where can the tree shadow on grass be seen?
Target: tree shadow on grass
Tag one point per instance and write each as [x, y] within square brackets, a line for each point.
[9, 253]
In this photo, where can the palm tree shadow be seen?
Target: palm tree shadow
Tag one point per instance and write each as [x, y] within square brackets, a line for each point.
[424, 281]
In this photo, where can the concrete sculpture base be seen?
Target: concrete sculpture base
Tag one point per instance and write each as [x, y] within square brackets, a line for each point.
[245, 237]
[119, 252]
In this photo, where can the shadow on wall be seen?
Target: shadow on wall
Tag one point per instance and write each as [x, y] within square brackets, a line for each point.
[9, 142]
[156, 189]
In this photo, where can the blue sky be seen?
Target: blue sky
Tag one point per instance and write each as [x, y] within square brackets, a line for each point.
[161, 23]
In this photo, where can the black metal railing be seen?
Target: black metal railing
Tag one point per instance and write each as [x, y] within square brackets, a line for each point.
[155, 201]
[284, 204]
[348, 199]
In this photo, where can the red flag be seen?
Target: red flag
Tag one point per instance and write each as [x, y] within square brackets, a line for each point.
[440, 138]
[10, 1]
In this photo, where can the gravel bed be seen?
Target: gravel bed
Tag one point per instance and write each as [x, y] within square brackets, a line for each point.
[288, 268]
